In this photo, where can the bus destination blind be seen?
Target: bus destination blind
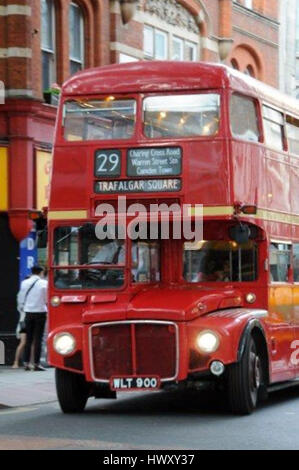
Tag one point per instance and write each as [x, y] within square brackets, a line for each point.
[144, 162]
[138, 186]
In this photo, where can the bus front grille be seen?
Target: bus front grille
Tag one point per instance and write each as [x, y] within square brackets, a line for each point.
[134, 348]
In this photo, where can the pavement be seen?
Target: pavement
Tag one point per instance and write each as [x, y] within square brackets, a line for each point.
[22, 388]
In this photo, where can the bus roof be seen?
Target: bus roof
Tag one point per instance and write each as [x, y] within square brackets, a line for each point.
[159, 76]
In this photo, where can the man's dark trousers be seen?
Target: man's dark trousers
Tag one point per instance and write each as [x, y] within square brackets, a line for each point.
[35, 325]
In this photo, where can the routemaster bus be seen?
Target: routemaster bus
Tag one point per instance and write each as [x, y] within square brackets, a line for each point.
[151, 312]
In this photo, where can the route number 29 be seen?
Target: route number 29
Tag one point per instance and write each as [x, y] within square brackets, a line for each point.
[107, 163]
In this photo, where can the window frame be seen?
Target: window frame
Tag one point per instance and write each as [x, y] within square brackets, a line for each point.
[290, 265]
[194, 47]
[181, 42]
[121, 97]
[269, 119]
[166, 41]
[72, 59]
[287, 133]
[169, 39]
[218, 282]
[181, 93]
[151, 282]
[292, 262]
[84, 291]
[257, 106]
[51, 53]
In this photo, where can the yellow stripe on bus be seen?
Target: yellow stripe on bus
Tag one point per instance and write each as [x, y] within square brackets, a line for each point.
[67, 215]
[262, 214]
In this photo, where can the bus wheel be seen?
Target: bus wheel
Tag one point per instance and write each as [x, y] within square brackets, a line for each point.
[72, 391]
[244, 380]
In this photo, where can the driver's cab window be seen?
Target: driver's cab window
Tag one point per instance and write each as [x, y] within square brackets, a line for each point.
[145, 262]
[106, 252]
[83, 261]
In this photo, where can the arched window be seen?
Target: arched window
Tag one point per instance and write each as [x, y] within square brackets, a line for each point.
[249, 71]
[48, 43]
[234, 64]
[76, 25]
[170, 33]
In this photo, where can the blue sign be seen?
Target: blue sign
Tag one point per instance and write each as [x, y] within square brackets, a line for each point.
[28, 255]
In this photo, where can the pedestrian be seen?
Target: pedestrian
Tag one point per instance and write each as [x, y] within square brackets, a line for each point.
[21, 336]
[32, 299]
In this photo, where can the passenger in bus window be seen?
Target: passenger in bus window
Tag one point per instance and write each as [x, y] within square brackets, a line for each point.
[218, 272]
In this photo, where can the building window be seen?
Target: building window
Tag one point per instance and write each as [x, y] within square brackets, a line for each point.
[191, 52]
[249, 71]
[160, 45]
[48, 43]
[273, 127]
[177, 49]
[76, 25]
[155, 43]
[234, 64]
[157, 46]
[244, 118]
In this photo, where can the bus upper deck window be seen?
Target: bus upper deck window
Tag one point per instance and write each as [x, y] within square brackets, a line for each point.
[244, 118]
[293, 134]
[296, 262]
[106, 119]
[274, 128]
[181, 115]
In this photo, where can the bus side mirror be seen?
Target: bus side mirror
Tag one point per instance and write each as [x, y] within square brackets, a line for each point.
[240, 233]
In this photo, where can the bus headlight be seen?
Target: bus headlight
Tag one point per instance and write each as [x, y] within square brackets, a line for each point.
[207, 341]
[64, 343]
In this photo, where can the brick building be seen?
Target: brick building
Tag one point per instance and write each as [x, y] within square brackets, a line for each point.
[44, 41]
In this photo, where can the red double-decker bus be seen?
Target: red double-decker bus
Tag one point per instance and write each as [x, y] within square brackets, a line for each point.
[147, 312]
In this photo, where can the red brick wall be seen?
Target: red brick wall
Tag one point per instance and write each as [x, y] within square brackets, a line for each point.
[256, 41]
[103, 27]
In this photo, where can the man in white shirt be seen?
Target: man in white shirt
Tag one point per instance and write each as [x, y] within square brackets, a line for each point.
[32, 299]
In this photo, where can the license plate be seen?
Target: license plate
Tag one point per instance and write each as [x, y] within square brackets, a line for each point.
[134, 383]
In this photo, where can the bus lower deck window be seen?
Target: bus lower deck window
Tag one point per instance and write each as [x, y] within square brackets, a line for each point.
[219, 261]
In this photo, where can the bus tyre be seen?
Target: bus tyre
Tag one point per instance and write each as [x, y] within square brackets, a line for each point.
[72, 391]
[244, 380]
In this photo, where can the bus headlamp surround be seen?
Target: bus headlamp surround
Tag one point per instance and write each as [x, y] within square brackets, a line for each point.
[64, 343]
[207, 341]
